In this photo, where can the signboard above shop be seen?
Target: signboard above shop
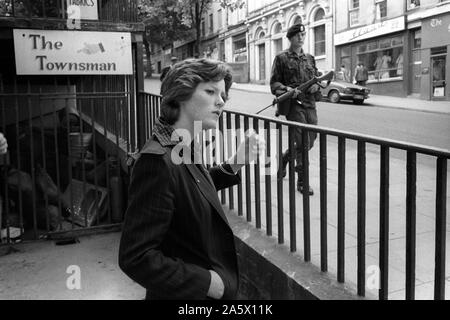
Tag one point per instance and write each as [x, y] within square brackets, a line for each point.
[370, 31]
[82, 9]
[51, 52]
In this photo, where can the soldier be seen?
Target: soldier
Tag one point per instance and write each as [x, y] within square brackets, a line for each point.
[292, 68]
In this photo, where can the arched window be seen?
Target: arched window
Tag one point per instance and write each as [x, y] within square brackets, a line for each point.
[277, 28]
[320, 14]
[319, 32]
[297, 20]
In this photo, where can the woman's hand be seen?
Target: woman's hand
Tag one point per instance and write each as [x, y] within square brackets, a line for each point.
[248, 151]
[3, 144]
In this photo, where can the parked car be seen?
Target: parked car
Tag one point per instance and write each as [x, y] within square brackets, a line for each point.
[340, 90]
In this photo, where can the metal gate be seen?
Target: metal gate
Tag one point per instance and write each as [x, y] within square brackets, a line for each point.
[68, 140]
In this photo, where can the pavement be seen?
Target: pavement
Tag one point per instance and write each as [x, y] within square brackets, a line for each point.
[409, 103]
[42, 270]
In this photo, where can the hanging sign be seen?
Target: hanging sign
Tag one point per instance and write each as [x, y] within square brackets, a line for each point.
[51, 52]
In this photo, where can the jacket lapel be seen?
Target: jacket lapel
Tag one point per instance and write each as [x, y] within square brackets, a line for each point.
[207, 188]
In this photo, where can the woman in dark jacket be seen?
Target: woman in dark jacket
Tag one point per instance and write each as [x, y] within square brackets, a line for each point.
[176, 240]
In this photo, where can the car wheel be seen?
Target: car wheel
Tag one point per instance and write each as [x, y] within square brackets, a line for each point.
[358, 101]
[334, 96]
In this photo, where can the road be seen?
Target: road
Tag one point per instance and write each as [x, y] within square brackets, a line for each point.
[424, 128]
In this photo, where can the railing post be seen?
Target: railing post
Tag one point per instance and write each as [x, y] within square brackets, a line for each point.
[441, 224]
[323, 204]
[361, 218]
[292, 211]
[411, 163]
[384, 222]
[341, 210]
[306, 205]
[140, 112]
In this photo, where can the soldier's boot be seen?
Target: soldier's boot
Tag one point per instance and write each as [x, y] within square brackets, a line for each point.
[282, 169]
[300, 187]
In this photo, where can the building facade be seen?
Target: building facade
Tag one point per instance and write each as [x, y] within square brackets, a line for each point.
[268, 22]
[233, 42]
[403, 44]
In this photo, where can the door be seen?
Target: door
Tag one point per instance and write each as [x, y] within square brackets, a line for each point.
[262, 62]
[438, 76]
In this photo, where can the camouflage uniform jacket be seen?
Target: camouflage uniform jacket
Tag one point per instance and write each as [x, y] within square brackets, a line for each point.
[291, 70]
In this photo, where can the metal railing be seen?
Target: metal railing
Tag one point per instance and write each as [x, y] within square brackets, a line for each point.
[113, 11]
[258, 188]
[66, 139]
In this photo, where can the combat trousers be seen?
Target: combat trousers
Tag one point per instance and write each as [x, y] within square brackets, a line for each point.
[301, 114]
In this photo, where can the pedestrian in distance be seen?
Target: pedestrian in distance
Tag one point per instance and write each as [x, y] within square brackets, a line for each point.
[290, 69]
[361, 74]
[345, 73]
[176, 241]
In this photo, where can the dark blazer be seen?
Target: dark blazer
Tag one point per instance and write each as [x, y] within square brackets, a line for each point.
[175, 229]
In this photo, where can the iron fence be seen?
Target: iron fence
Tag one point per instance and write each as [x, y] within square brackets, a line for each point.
[261, 196]
[108, 10]
[68, 138]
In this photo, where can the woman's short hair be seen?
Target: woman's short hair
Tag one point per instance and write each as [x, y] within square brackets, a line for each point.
[182, 80]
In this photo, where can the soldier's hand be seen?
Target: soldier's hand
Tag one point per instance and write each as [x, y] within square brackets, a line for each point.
[314, 88]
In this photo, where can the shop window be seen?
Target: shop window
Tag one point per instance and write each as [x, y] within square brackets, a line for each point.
[383, 59]
[361, 48]
[372, 46]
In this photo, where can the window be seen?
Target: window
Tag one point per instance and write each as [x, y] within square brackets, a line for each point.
[240, 48]
[319, 32]
[354, 18]
[354, 4]
[354, 13]
[414, 4]
[417, 43]
[211, 23]
[382, 58]
[297, 20]
[320, 14]
[381, 9]
[219, 17]
[203, 28]
[319, 40]
[277, 29]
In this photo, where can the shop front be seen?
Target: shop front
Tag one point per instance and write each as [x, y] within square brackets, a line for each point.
[381, 48]
[233, 49]
[436, 58]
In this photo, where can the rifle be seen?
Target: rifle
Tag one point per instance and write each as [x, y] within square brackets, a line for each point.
[302, 88]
